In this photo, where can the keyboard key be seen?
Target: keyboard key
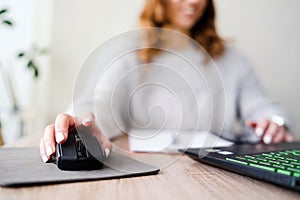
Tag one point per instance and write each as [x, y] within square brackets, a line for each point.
[295, 163]
[253, 161]
[251, 157]
[296, 154]
[292, 159]
[285, 162]
[279, 157]
[237, 161]
[262, 167]
[278, 166]
[241, 158]
[261, 159]
[285, 172]
[288, 165]
[289, 151]
[294, 170]
[270, 158]
[275, 162]
[267, 155]
[264, 163]
[282, 154]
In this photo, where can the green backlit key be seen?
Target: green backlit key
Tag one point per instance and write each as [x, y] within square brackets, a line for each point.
[285, 162]
[237, 161]
[285, 172]
[263, 167]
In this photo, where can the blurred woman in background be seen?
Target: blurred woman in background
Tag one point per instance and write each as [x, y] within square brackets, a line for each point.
[246, 101]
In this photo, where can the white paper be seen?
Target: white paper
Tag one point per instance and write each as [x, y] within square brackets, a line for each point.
[171, 141]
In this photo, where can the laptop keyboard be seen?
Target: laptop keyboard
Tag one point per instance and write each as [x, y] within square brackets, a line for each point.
[285, 162]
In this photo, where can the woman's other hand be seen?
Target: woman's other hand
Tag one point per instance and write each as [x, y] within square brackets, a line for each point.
[270, 132]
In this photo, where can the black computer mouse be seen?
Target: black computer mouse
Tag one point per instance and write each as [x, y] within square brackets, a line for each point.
[73, 154]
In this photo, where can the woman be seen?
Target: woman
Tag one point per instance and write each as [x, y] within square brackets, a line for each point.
[245, 99]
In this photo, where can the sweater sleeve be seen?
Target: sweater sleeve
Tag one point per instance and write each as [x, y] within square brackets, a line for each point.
[254, 102]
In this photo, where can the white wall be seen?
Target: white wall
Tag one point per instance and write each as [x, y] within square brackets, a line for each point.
[32, 26]
[78, 28]
[14, 39]
[266, 30]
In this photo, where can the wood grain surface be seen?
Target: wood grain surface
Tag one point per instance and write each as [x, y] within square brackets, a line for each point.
[180, 178]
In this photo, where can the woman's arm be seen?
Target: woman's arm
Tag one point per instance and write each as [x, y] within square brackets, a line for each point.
[259, 112]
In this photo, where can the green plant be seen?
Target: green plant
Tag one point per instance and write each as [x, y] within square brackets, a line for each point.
[30, 58]
[4, 19]
[30, 55]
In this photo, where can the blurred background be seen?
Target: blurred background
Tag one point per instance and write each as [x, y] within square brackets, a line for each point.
[44, 43]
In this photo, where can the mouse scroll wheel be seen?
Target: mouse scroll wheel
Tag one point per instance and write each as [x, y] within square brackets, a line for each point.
[78, 144]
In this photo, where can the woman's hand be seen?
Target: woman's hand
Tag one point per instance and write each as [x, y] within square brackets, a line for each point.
[270, 132]
[58, 133]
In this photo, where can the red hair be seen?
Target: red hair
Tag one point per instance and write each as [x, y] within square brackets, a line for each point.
[204, 31]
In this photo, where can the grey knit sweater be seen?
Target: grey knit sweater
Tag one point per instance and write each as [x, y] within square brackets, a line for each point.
[178, 90]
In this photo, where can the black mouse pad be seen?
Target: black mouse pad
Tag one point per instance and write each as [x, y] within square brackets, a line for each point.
[24, 167]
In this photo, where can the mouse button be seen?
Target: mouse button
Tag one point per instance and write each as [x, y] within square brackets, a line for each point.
[68, 149]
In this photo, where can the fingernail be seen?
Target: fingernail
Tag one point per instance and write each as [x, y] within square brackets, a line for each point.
[45, 158]
[267, 139]
[86, 120]
[49, 150]
[259, 131]
[107, 152]
[60, 137]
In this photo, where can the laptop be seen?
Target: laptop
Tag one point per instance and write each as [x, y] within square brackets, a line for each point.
[275, 163]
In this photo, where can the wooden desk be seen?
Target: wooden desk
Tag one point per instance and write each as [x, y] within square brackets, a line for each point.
[181, 179]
